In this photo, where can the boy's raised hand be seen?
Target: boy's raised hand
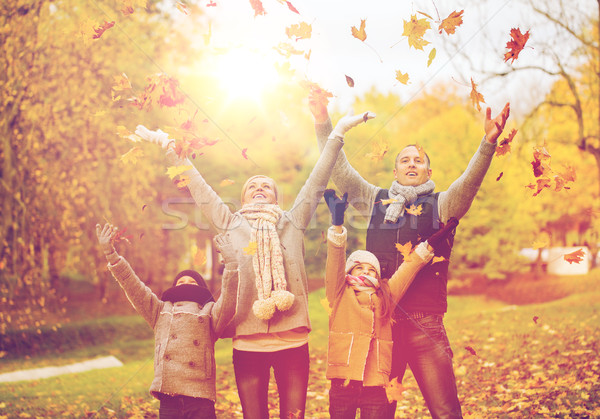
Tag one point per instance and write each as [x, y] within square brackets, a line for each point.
[105, 237]
[225, 247]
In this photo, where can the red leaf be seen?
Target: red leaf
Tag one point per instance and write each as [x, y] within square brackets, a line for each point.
[211, 4]
[476, 97]
[100, 30]
[244, 151]
[258, 7]
[516, 44]
[350, 81]
[576, 256]
[503, 146]
[535, 319]
[471, 350]
[291, 7]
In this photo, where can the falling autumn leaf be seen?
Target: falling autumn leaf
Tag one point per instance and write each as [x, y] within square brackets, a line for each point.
[128, 6]
[569, 173]
[226, 182]
[476, 97]
[162, 90]
[350, 81]
[451, 22]
[258, 7]
[414, 29]
[251, 249]
[575, 257]
[402, 77]
[102, 28]
[431, 56]
[516, 44]
[471, 350]
[503, 146]
[405, 249]
[211, 4]
[125, 133]
[177, 170]
[326, 306]
[499, 176]
[541, 161]
[298, 31]
[121, 83]
[316, 93]
[182, 8]
[291, 7]
[379, 150]
[535, 319]
[437, 259]
[415, 210]
[541, 242]
[182, 182]
[132, 155]
[394, 390]
[244, 153]
[144, 207]
[360, 33]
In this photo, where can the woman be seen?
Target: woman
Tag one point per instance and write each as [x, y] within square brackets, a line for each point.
[271, 325]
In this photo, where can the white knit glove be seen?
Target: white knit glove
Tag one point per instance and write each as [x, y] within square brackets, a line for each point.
[349, 121]
[159, 137]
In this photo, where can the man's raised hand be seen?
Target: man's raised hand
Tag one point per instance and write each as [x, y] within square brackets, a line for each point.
[159, 137]
[494, 127]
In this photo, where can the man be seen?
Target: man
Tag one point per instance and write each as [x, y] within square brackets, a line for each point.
[419, 335]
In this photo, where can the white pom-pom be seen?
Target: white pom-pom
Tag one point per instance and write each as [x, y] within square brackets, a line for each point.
[283, 299]
[264, 309]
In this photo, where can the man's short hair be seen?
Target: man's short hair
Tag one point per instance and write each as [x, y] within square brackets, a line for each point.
[418, 148]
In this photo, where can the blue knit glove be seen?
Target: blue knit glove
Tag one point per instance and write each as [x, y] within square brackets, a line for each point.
[337, 206]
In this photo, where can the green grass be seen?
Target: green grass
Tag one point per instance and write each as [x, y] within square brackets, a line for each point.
[536, 360]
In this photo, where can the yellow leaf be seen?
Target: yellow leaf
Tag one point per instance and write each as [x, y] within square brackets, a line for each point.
[226, 182]
[394, 390]
[251, 249]
[541, 242]
[379, 150]
[125, 133]
[388, 201]
[325, 304]
[402, 77]
[121, 82]
[177, 170]
[405, 250]
[476, 97]
[300, 30]
[415, 210]
[132, 155]
[414, 29]
[431, 56]
[437, 259]
[182, 182]
[451, 22]
[360, 33]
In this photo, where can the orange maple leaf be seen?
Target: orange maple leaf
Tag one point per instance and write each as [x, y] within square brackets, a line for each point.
[162, 90]
[405, 250]
[437, 259]
[576, 256]
[287, 50]
[360, 33]
[541, 161]
[451, 22]
[102, 28]
[414, 29]
[516, 44]
[121, 82]
[476, 97]
[316, 93]
[569, 173]
[402, 77]
[394, 390]
[182, 182]
[258, 7]
[415, 210]
[132, 155]
[503, 146]
[540, 185]
[300, 30]
[379, 150]
[226, 182]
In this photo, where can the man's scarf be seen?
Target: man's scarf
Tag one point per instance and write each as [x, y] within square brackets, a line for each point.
[267, 260]
[403, 196]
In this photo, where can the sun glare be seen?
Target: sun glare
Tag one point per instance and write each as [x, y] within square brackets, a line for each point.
[245, 74]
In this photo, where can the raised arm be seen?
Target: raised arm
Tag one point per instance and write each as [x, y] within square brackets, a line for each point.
[211, 205]
[145, 302]
[361, 194]
[335, 267]
[456, 201]
[224, 309]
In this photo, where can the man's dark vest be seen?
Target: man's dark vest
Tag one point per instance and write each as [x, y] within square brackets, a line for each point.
[428, 291]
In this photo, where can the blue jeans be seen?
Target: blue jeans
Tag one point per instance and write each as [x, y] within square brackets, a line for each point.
[345, 399]
[424, 346]
[252, 373]
[185, 407]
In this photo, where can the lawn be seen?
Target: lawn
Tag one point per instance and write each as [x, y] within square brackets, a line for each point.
[537, 360]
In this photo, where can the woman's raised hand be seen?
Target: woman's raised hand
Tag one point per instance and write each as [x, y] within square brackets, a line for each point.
[159, 137]
[349, 121]
[105, 237]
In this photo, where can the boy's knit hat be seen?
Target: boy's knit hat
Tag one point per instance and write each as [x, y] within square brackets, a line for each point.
[363, 256]
[192, 274]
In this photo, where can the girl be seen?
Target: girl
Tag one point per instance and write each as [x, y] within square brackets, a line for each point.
[359, 355]
[186, 323]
